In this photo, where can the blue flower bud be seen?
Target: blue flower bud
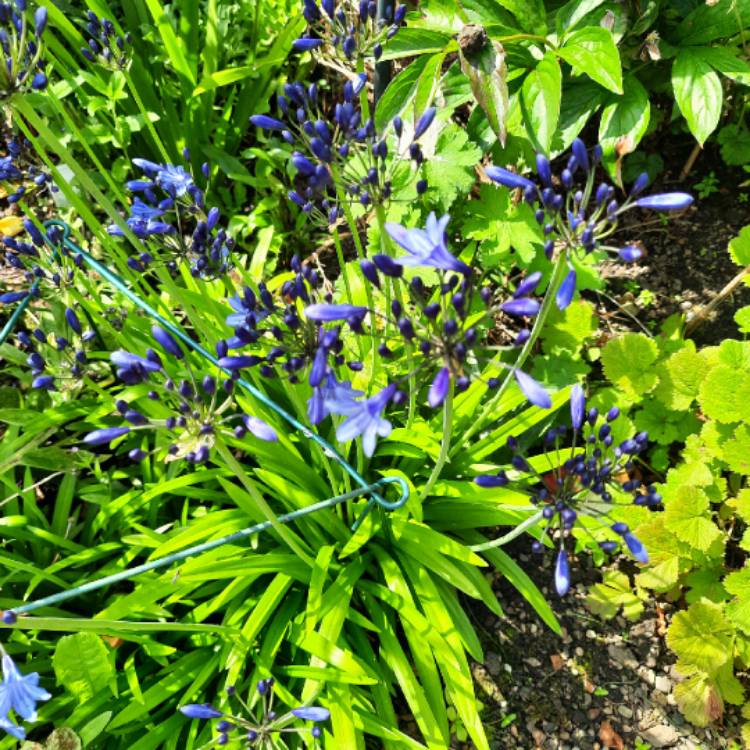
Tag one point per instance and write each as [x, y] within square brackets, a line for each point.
[544, 170]
[370, 272]
[424, 122]
[507, 178]
[533, 391]
[562, 573]
[398, 125]
[577, 406]
[385, 264]
[40, 20]
[72, 319]
[528, 285]
[566, 290]
[312, 713]
[200, 711]
[522, 306]
[239, 362]
[640, 184]
[105, 435]
[167, 342]
[666, 201]
[260, 429]
[439, 388]
[630, 253]
[305, 44]
[580, 154]
[39, 82]
[490, 481]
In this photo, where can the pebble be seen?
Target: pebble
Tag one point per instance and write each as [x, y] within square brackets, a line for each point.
[661, 735]
[625, 711]
[663, 684]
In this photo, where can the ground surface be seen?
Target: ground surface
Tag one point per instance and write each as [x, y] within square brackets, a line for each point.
[603, 684]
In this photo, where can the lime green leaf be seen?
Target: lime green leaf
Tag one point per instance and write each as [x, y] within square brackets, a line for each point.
[567, 330]
[668, 556]
[628, 362]
[699, 699]
[742, 316]
[725, 394]
[737, 451]
[701, 637]
[738, 610]
[687, 514]
[739, 247]
[606, 598]
[82, 665]
[410, 42]
[665, 426]
[697, 90]
[680, 378]
[592, 51]
[502, 227]
[450, 170]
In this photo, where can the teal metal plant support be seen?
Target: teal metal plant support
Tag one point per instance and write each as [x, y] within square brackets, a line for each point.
[372, 489]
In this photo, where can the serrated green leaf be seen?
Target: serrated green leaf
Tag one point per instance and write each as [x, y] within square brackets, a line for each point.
[606, 598]
[697, 90]
[739, 247]
[82, 665]
[593, 52]
[687, 514]
[701, 637]
[738, 610]
[736, 451]
[502, 227]
[742, 319]
[680, 377]
[699, 699]
[567, 330]
[668, 556]
[725, 394]
[628, 362]
[450, 170]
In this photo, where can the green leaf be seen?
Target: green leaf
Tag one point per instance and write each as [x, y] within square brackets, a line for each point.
[573, 12]
[450, 170]
[540, 101]
[501, 227]
[410, 42]
[738, 610]
[680, 378]
[82, 665]
[742, 319]
[593, 52]
[687, 514]
[567, 330]
[628, 363]
[606, 598]
[488, 73]
[714, 20]
[726, 62]
[698, 93]
[530, 14]
[737, 451]
[699, 699]
[739, 247]
[625, 120]
[701, 637]
[725, 395]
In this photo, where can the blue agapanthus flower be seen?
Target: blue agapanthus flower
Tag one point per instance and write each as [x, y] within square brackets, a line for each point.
[365, 418]
[426, 247]
[578, 215]
[19, 693]
[260, 725]
[595, 477]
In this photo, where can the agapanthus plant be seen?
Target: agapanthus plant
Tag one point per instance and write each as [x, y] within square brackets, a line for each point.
[339, 156]
[56, 352]
[258, 724]
[347, 31]
[104, 45]
[589, 477]
[44, 265]
[578, 214]
[23, 65]
[429, 336]
[19, 695]
[169, 215]
[20, 168]
[194, 409]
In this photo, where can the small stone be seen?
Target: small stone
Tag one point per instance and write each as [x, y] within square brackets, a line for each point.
[533, 662]
[591, 635]
[625, 711]
[622, 656]
[663, 684]
[579, 651]
[661, 735]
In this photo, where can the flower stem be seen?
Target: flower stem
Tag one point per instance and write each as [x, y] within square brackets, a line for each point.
[510, 536]
[554, 283]
[445, 444]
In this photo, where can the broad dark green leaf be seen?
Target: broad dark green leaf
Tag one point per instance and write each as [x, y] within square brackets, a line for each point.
[592, 51]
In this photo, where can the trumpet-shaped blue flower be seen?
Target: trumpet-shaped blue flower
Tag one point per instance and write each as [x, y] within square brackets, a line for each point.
[20, 693]
[426, 247]
[365, 418]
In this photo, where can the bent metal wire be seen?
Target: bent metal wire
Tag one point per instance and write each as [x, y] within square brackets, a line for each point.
[365, 488]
